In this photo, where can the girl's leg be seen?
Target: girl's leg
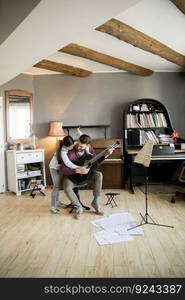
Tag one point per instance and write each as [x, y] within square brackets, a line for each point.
[56, 178]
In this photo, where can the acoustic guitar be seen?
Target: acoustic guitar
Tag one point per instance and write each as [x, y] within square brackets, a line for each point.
[91, 162]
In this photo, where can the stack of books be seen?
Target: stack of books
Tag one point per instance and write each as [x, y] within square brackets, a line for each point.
[165, 139]
[20, 168]
[22, 174]
[34, 173]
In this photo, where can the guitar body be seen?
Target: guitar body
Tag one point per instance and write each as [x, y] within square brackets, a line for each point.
[91, 162]
[82, 162]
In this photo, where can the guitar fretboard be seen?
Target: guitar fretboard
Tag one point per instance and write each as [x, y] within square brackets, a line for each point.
[101, 154]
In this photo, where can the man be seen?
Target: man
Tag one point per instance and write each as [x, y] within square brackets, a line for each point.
[82, 148]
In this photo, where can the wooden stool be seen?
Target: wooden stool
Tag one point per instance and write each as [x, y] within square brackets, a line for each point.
[111, 199]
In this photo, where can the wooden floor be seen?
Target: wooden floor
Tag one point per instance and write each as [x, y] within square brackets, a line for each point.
[36, 243]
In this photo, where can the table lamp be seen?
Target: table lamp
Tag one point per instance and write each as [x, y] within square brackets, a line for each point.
[56, 129]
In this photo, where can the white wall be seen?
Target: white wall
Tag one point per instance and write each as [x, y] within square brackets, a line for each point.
[2, 162]
[22, 82]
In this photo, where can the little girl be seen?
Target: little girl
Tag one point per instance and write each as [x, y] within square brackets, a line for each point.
[60, 155]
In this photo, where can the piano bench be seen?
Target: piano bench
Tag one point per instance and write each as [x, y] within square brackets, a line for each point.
[111, 199]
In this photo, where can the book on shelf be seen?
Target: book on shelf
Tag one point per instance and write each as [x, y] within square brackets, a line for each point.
[165, 139]
[20, 168]
[33, 182]
[22, 184]
[22, 174]
[144, 107]
[28, 174]
[140, 137]
[35, 173]
[142, 120]
[148, 135]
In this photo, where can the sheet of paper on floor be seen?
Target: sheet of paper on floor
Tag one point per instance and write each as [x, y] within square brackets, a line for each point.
[113, 220]
[98, 222]
[123, 229]
[104, 237]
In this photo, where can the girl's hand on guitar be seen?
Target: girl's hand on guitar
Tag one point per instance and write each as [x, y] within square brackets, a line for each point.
[82, 170]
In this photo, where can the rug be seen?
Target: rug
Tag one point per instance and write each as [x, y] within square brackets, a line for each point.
[166, 188]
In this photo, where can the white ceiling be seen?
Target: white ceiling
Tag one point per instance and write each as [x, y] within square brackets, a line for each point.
[54, 24]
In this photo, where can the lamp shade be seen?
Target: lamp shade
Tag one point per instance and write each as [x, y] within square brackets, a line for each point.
[56, 129]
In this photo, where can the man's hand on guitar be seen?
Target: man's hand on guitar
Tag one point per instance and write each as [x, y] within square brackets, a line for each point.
[82, 170]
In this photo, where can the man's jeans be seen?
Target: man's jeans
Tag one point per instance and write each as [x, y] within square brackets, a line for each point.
[97, 179]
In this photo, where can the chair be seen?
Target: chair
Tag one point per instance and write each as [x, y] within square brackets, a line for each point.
[181, 178]
[76, 191]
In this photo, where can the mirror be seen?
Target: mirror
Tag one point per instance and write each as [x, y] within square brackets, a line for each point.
[18, 115]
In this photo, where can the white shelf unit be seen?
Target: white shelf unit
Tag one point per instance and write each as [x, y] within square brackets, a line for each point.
[24, 157]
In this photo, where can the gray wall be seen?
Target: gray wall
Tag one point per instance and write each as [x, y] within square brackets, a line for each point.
[97, 99]
[101, 99]
[22, 82]
[12, 13]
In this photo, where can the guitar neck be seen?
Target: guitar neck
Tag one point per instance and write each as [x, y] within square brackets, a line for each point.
[101, 154]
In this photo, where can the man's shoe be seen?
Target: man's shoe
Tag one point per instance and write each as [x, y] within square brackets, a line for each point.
[54, 210]
[97, 209]
[77, 212]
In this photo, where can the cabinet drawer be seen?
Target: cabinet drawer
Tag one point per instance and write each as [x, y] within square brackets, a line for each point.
[29, 157]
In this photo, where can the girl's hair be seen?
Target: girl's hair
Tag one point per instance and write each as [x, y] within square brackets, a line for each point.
[67, 141]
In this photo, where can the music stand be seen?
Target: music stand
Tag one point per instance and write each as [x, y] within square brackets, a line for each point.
[144, 158]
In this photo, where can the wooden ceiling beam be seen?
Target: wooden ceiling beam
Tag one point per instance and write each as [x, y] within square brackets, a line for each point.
[105, 59]
[139, 39]
[62, 68]
[180, 4]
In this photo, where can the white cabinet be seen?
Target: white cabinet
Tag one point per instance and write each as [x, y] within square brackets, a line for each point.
[24, 169]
